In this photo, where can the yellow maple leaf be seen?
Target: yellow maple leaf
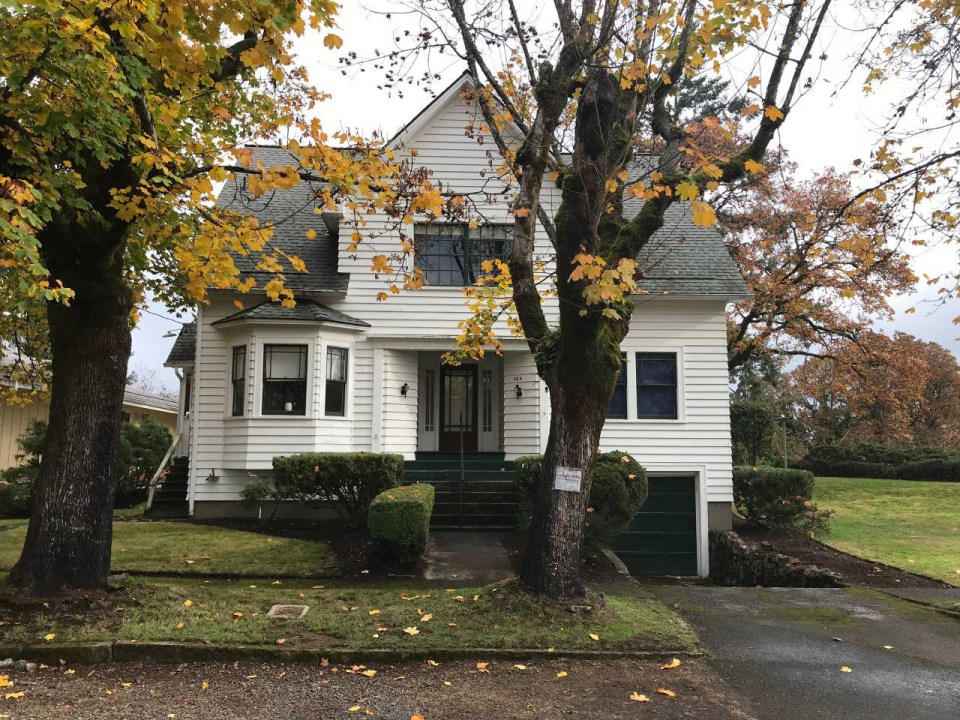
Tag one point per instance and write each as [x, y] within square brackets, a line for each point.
[311, 234]
[846, 669]
[369, 673]
[426, 618]
[754, 81]
[49, 636]
[181, 626]
[561, 674]
[353, 708]
[664, 691]
[703, 214]
[13, 696]
[753, 167]
[205, 685]
[482, 667]
[594, 637]
[374, 612]
[334, 42]
[411, 631]
[687, 191]
[772, 113]
[637, 697]
[671, 665]
[187, 603]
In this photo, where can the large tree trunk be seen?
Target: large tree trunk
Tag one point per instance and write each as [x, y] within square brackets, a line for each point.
[581, 383]
[69, 536]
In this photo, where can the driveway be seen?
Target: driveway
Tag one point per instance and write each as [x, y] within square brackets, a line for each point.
[783, 650]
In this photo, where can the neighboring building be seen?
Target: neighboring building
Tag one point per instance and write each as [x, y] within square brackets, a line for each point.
[343, 372]
[137, 408]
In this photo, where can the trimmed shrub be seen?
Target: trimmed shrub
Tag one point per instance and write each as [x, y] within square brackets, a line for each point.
[931, 470]
[883, 461]
[15, 498]
[348, 481]
[399, 521]
[751, 429]
[772, 498]
[618, 491]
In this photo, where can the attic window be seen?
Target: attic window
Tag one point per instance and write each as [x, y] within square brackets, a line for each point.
[452, 255]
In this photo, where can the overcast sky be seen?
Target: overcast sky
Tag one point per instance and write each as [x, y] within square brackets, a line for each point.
[829, 127]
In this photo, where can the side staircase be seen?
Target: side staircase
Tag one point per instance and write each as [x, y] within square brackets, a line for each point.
[473, 492]
[170, 496]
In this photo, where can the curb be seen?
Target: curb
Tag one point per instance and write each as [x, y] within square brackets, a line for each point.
[172, 652]
[930, 606]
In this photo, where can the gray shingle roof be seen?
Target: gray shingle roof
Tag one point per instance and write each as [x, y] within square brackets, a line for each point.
[303, 311]
[184, 347]
[157, 402]
[682, 258]
[290, 214]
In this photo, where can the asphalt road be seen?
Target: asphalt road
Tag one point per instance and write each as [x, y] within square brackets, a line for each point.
[783, 651]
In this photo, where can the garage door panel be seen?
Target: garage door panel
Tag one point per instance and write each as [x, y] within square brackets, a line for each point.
[662, 537]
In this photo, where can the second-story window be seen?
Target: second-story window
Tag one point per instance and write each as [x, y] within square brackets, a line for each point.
[452, 254]
[284, 379]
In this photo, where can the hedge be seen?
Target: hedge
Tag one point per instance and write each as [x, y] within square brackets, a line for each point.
[770, 497]
[399, 521]
[348, 481]
[618, 491]
[875, 460]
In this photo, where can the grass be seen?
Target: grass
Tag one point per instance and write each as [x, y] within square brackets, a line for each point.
[177, 547]
[911, 525]
[344, 616]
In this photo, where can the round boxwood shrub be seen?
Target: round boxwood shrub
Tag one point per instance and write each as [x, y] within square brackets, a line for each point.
[618, 491]
[772, 498]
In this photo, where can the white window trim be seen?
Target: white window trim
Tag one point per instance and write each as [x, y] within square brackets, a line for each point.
[631, 417]
[348, 391]
[261, 343]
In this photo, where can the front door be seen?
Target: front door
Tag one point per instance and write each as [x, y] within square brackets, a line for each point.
[458, 409]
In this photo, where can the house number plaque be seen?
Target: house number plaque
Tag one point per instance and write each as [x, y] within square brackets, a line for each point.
[567, 479]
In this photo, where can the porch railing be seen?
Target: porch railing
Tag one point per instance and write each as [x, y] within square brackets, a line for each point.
[155, 480]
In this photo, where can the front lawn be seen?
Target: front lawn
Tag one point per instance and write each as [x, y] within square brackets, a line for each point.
[411, 616]
[911, 525]
[179, 547]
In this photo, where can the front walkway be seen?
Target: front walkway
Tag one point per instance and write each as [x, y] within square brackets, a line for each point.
[785, 651]
[467, 558]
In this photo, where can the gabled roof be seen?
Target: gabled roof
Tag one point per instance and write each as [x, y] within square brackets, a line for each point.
[184, 347]
[290, 214]
[303, 311]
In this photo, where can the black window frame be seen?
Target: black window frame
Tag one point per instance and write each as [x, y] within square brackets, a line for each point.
[293, 390]
[238, 380]
[620, 392]
[466, 261]
[644, 385]
[336, 387]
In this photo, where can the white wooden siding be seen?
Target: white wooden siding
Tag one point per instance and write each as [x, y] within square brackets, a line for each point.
[521, 415]
[400, 413]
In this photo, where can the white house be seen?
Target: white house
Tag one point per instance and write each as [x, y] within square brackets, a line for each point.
[343, 372]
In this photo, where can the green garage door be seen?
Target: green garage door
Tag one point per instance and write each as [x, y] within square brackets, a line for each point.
[662, 538]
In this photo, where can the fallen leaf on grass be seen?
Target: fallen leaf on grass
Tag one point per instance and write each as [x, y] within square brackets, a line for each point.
[411, 631]
[637, 697]
[426, 618]
[664, 691]
[561, 674]
[187, 603]
[49, 636]
[181, 626]
[594, 637]
[671, 665]
[281, 641]
[374, 612]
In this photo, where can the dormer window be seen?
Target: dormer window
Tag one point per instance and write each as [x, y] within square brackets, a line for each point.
[451, 255]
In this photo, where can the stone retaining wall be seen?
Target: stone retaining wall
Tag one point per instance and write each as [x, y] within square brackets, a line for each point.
[734, 561]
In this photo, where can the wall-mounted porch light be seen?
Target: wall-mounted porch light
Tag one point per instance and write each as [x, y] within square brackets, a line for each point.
[404, 389]
[518, 390]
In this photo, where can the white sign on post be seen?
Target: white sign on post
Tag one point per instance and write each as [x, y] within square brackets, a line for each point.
[567, 479]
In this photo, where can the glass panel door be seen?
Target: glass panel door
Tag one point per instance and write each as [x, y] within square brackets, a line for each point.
[458, 409]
